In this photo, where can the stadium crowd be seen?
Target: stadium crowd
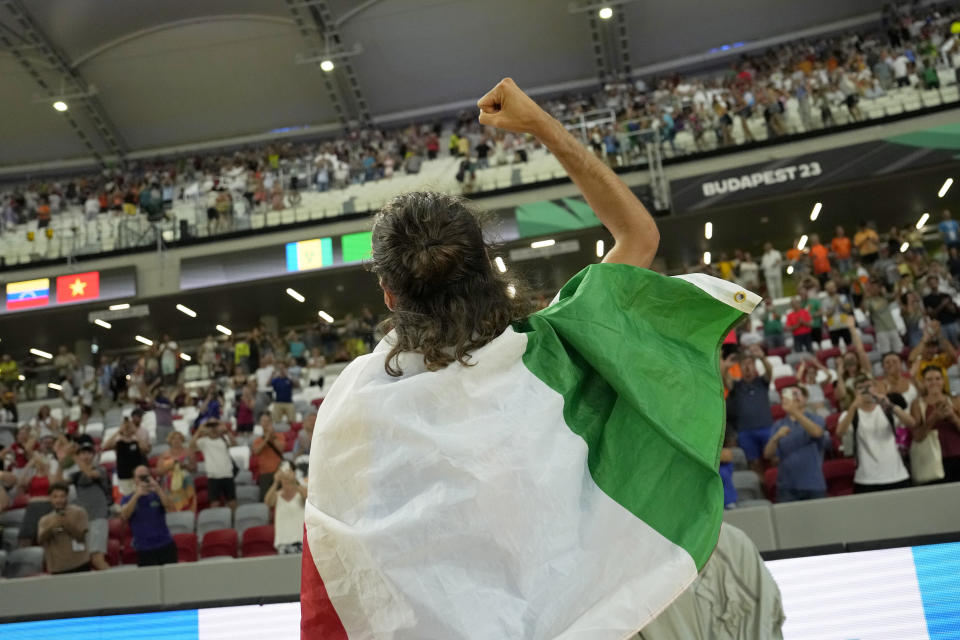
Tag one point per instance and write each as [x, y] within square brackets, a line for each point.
[846, 384]
[141, 460]
[816, 77]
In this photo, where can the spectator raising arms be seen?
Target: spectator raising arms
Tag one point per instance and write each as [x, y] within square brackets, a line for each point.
[132, 445]
[749, 403]
[872, 417]
[214, 440]
[268, 452]
[798, 444]
[287, 496]
[800, 323]
[95, 496]
[146, 511]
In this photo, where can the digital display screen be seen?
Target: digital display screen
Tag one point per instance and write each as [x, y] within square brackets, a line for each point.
[356, 247]
[309, 254]
[889, 594]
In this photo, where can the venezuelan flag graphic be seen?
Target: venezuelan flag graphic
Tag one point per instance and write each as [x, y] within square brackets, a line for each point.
[28, 294]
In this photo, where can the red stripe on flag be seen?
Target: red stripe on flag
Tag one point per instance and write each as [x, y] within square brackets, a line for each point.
[27, 303]
[318, 618]
[78, 287]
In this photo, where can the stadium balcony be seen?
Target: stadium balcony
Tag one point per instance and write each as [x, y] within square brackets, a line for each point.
[71, 234]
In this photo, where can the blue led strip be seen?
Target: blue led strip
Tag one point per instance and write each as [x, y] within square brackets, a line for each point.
[166, 625]
[938, 573]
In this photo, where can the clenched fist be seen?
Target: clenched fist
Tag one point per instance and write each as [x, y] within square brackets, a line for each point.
[506, 106]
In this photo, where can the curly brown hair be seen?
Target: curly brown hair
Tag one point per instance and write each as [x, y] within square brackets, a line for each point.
[430, 253]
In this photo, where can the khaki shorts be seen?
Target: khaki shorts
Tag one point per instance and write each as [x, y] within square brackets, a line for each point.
[98, 530]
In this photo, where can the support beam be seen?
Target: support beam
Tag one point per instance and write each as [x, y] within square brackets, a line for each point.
[72, 81]
[300, 12]
[329, 27]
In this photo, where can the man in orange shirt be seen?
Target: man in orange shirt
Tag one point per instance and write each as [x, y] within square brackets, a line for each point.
[868, 243]
[840, 246]
[268, 451]
[819, 255]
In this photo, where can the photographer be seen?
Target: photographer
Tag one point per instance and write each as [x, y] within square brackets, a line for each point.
[287, 497]
[146, 511]
[798, 442]
[61, 533]
[94, 495]
[214, 440]
[132, 443]
[873, 419]
[268, 452]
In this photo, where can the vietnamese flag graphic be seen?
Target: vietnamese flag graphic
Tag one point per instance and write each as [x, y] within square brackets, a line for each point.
[78, 287]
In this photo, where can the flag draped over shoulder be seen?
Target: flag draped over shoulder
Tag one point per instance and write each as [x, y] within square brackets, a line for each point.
[564, 486]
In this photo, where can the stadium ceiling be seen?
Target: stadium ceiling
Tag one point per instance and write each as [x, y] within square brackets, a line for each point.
[143, 76]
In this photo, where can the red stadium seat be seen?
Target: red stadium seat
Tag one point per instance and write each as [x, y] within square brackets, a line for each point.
[825, 354]
[784, 381]
[198, 456]
[200, 483]
[839, 476]
[220, 542]
[258, 541]
[118, 529]
[203, 499]
[317, 402]
[291, 439]
[113, 552]
[777, 412]
[128, 555]
[153, 461]
[770, 484]
[831, 422]
[869, 330]
[186, 546]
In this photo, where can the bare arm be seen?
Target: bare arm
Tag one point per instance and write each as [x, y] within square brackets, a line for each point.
[127, 510]
[271, 498]
[847, 418]
[634, 231]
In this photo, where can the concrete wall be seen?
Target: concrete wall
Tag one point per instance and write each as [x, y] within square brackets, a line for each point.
[892, 514]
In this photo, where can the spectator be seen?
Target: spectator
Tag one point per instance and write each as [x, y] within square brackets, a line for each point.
[34, 481]
[852, 365]
[949, 231]
[287, 497]
[178, 452]
[867, 243]
[163, 412]
[283, 386]
[897, 382]
[295, 346]
[725, 469]
[808, 375]
[836, 309]
[750, 403]
[95, 495]
[942, 307]
[772, 327]
[19, 453]
[935, 351]
[820, 257]
[168, 359]
[305, 437]
[211, 406]
[178, 483]
[263, 375]
[809, 293]
[146, 511]
[937, 415]
[840, 245]
[797, 446]
[749, 272]
[913, 314]
[214, 440]
[799, 323]
[9, 372]
[268, 452]
[244, 415]
[872, 419]
[879, 304]
[62, 533]
[132, 445]
[44, 424]
[772, 265]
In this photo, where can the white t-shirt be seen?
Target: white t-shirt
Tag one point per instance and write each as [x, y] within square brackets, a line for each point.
[750, 273]
[900, 66]
[771, 262]
[288, 520]
[878, 461]
[216, 457]
[264, 374]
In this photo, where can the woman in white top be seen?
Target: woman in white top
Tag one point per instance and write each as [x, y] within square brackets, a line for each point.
[896, 380]
[287, 496]
[879, 465]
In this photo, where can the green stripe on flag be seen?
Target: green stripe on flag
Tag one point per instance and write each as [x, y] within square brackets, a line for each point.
[635, 356]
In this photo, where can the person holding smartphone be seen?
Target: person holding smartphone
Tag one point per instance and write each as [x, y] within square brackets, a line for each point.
[146, 511]
[214, 440]
[797, 445]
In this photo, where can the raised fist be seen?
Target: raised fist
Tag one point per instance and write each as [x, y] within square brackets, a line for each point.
[506, 106]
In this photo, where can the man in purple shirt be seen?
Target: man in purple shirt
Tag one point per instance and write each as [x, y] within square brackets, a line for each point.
[146, 511]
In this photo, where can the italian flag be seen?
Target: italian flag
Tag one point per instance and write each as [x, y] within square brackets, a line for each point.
[564, 486]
